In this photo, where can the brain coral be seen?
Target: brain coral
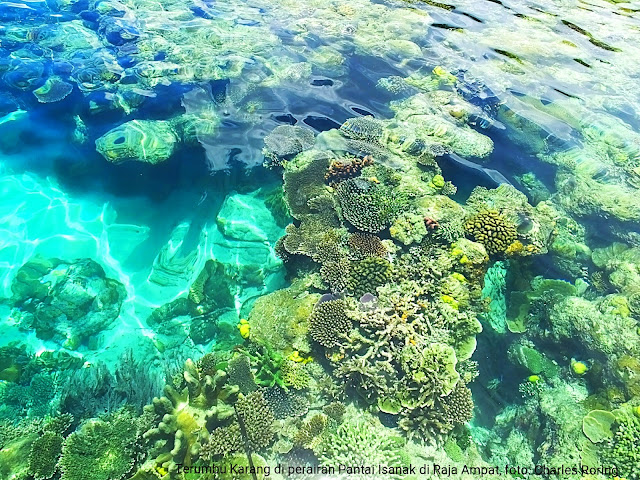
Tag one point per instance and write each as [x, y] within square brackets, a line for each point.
[491, 229]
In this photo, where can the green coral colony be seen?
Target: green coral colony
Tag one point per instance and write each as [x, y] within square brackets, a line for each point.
[485, 332]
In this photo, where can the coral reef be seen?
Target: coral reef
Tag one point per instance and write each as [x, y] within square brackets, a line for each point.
[281, 319]
[368, 206]
[44, 455]
[188, 411]
[361, 441]
[369, 274]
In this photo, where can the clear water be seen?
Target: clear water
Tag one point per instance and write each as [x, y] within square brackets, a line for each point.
[554, 85]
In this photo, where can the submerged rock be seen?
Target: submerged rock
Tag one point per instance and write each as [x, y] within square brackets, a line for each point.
[149, 141]
[246, 218]
[68, 302]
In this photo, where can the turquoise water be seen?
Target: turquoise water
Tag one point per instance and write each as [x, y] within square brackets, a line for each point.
[366, 239]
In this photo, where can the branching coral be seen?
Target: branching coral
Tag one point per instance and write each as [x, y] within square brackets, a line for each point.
[336, 274]
[44, 455]
[345, 168]
[361, 441]
[256, 429]
[432, 373]
[256, 415]
[623, 450]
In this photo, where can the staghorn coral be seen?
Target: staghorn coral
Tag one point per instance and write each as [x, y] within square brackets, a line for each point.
[328, 322]
[346, 168]
[404, 352]
[368, 274]
[491, 229]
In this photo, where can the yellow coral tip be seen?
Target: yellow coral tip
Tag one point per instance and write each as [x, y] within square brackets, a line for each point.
[579, 368]
[534, 378]
[244, 330]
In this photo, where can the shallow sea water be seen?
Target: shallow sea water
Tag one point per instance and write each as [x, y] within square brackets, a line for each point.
[142, 215]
